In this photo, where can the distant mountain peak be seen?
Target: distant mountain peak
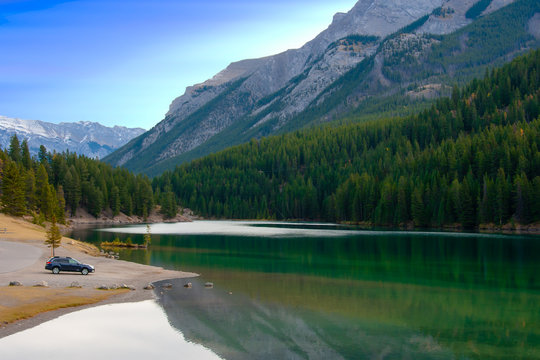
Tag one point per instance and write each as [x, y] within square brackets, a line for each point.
[84, 137]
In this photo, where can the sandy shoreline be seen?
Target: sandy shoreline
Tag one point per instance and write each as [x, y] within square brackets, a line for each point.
[33, 256]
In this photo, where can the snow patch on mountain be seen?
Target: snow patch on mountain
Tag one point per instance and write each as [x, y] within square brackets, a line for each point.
[85, 138]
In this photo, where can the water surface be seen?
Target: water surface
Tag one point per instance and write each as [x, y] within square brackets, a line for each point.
[322, 291]
[135, 331]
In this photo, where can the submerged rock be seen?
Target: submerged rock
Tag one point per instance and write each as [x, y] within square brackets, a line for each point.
[188, 285]
[209, 285]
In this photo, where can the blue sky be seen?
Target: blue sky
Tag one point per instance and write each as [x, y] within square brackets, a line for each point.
[122, 62]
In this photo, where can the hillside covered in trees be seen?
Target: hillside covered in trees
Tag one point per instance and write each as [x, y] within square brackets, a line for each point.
[397, 74]
[469, 159]
[50, 185]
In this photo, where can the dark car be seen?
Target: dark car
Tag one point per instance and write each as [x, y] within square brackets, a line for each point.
[59, 263]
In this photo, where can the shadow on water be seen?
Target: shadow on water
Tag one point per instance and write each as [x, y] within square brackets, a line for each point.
[378, 295]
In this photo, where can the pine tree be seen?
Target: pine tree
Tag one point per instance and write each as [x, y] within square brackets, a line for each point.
[503, 198]
[15, 149]
[13, 190]
[403, 201]
[26, 158]
[72, 190]
[418, 206]
[115, 200]
[43, 156]
[42, 189]
[53, 237]
[30, 190]
[49, 202]
[61, 205]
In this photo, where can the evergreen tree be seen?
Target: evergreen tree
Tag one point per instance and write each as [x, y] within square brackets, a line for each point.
[418, 207]
[26, 158]
[115, 201]
[72, 190]
[13, 190]
[53, 237]
[61, 205]
[15, 149]
[30, 190]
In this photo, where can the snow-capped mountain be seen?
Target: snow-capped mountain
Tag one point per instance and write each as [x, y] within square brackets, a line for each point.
[85, 138]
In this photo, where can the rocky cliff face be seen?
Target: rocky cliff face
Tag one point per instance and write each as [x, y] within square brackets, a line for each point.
[261, 96]
[84, 138]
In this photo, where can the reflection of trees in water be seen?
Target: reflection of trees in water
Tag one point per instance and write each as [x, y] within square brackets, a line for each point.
[490, 261]
[425, 294]
[238, 327]
[289, 314]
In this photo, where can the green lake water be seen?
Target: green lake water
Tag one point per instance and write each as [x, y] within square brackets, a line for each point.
[318, 291]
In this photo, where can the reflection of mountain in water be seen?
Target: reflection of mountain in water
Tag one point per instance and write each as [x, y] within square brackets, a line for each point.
[238, 327]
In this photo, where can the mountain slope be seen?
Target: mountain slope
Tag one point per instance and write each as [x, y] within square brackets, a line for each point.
[468, 160]
[373, 53]
[84, 138]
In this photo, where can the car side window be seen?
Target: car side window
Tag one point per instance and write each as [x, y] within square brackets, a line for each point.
[63, 261]
[73, 262]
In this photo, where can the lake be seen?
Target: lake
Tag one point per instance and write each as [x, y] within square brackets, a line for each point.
[324, 291]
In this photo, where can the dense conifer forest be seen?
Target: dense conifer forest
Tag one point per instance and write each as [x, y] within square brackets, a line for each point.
[49, 185]
[469, 159]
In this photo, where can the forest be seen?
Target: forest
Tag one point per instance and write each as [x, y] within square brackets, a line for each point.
[470, 159]
[50, 185]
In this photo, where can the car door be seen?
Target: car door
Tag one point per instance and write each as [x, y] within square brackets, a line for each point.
[64, 264]
[74, 265]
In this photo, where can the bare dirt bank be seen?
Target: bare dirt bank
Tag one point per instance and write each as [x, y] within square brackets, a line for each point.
[83, 218]
[108, 272]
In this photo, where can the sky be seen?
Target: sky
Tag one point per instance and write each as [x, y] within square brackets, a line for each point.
[122, 62]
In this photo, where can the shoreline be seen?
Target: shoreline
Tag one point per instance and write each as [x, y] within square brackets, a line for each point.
[106, 218]
[109, 272]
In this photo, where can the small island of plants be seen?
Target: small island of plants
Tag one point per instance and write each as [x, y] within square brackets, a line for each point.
[123, 244]
[129, 243]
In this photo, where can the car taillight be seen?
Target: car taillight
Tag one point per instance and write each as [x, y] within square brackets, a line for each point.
[48, 262]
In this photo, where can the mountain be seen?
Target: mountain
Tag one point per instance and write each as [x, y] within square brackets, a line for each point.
[469, 160]
[84, 138]
[380, 56]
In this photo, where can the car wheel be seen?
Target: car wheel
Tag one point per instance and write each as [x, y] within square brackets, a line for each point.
[56, 270]
[84, 271]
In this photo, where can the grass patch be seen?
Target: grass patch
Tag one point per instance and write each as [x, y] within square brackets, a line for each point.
[19, 303]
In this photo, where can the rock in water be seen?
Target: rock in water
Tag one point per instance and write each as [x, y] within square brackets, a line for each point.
[15, 283]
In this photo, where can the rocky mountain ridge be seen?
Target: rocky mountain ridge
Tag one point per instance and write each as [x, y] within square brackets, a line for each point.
[85, 138]
[257, 97]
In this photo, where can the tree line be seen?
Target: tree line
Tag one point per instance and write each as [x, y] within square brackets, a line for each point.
[470, 159]
[50, 185]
